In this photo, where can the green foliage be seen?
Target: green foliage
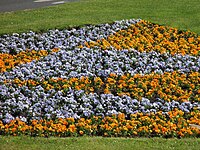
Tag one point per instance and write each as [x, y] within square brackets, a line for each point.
[182, 14]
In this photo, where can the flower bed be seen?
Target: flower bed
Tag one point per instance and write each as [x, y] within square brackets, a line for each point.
[173, 124]
[130, 78]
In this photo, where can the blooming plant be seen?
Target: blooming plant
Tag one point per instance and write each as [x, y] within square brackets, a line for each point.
[131, 78]
[173, 124]
[146, 36]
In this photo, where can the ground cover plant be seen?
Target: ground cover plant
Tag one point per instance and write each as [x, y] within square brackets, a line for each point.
[131, 78]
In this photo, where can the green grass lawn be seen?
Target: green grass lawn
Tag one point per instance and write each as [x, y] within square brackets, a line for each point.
[97, 143]
[182, 14]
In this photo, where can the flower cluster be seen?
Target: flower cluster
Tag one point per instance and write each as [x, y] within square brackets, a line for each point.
[77, 104]
[130, 78]
[63, 39]
[146, 36]
[8, 61]
[95, 62]
[168, 86]
[173, 124]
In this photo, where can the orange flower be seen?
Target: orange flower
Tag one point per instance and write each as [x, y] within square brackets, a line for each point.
[72, 128]
[81, 132]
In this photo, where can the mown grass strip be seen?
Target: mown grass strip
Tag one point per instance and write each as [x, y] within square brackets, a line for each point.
[180, 13]
[98, 143]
